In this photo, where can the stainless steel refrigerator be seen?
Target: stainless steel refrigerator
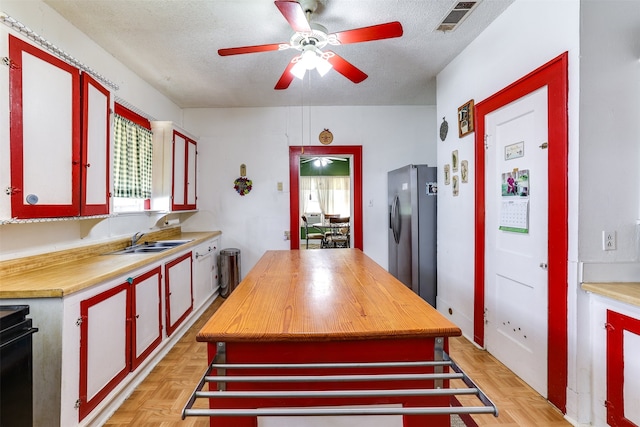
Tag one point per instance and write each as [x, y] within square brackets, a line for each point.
[413, 194]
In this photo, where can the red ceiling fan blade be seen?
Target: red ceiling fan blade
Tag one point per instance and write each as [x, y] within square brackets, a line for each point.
[295, 16]
[286, 78]
[366, 34]
[345, 68]
[249, 49]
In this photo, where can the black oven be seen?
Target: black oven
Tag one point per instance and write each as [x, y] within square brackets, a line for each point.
[16, 385]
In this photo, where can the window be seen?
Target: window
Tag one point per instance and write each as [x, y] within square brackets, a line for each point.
[132, 161]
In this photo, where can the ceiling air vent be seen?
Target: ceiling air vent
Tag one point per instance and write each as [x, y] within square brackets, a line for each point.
[456, 15]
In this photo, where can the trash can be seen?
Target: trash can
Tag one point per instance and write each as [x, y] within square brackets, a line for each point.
[229, 270]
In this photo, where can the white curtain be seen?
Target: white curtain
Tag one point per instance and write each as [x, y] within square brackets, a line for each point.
[325, 194]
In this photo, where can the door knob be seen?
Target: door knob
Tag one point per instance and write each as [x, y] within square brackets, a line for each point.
[544, 265]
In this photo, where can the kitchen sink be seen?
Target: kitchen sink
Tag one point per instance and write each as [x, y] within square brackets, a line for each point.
[165, 243]
[150, 247]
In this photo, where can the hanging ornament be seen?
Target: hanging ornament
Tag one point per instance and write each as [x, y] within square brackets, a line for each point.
[444, 129]
[243, 184]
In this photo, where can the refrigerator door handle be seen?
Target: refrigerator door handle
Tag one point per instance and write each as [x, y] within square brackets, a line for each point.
[395, 219]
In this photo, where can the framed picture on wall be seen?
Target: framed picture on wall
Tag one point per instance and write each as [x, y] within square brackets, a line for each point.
[465, 119]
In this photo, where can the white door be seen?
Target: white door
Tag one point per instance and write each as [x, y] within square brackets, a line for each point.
[516, 293]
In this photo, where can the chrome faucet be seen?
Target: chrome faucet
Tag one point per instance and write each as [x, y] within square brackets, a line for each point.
[136, 237]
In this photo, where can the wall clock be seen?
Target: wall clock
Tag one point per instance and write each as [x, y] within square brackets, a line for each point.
[326, 137]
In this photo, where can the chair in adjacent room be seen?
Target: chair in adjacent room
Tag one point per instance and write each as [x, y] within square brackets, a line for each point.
[339, 234]
[314, 234]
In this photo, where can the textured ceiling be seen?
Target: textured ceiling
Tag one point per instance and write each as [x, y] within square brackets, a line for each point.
[173, 44]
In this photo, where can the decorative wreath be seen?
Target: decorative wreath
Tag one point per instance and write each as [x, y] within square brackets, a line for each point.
[242, 185]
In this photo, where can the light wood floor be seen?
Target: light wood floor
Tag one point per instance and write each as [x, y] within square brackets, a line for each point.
[159, 400]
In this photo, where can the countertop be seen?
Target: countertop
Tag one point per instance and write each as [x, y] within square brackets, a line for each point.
[628, 292]
[322, 295]
[41, 276]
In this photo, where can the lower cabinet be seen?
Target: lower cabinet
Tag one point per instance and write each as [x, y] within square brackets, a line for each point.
[205, 271]
[119, 328]
[178, 291]
[615, 338]
[623, 370]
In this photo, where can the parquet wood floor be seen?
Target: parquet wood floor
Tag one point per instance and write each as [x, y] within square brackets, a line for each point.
[159, 399]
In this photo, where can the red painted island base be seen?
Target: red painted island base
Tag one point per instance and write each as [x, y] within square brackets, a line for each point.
[291, 352]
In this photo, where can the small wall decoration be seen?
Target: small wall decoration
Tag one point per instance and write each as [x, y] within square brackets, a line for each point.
[454, 161]
[447, 175]
[514, 151]
[325, 137]
[455, 186]
[465, 119]
[444, 129]
[464, 170]
[243, 184]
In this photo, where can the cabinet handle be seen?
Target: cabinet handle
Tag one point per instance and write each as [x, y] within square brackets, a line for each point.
[88, 165]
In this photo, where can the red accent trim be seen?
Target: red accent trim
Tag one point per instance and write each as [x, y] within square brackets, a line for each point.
[136, 361]
[618, 323]
[19, 208]
[167, 288]
[86, 406]
[294, 183]
[98, 209]
[130, 115]
[554, 75]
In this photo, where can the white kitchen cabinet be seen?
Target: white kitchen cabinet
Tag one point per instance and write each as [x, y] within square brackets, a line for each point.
[119, 328]
[205, 271]
[146, 318]
[178, 291]
[95, 173]
[616, 365]
[56, 170]
[104, 345]
[175, 154]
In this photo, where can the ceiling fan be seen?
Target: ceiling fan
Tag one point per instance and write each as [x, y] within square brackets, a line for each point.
[309, 38]
[322, 161]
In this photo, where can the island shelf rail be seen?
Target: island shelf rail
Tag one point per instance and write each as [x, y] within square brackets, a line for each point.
[217, 379]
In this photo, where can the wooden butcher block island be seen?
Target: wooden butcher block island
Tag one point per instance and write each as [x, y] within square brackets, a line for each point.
[328, 332]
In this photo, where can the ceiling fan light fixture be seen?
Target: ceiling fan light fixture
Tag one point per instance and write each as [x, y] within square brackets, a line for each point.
[323, 66]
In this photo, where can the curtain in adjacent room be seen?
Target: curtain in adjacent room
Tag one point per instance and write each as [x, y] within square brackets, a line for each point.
[133, 159]
[325, 194]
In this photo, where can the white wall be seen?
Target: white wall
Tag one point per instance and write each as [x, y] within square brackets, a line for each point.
[609, 129]
[260, 138]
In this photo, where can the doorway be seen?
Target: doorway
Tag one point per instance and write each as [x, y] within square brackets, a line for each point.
[553, 76]
[354, 152]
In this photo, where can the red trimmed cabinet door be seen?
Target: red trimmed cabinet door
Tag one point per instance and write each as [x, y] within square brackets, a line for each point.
[57, 170]
[104, 345]
[120, 328]
[45, 133]
[183, 196]
[623, 370]
[178, 291]
[94, 170]
[146, 316]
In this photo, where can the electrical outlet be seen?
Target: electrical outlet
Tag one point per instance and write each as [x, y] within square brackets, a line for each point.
[609, 241]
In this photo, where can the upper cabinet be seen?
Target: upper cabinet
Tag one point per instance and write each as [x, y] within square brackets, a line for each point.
[59, 137]
[175, 187]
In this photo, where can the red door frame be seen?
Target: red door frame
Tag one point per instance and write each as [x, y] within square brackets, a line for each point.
[554, 75]
[294, 183]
